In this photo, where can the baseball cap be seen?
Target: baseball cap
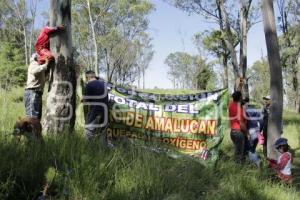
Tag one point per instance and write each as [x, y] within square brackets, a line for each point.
[267, 97]
[279, 142]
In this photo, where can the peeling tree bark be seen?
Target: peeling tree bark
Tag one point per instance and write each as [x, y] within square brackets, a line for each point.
[225, 54]
[244, 10]
[25, 45]
[20, 15]
[229, 40]
[292, 61]
[33, 7]
[61, 101]
[276, 86]
[92, 23]
[225, 65]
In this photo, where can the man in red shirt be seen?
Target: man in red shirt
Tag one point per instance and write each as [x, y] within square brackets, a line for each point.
[238, 127]
[42, 45]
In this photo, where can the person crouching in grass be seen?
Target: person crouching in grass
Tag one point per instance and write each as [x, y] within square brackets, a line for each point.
[283, 164]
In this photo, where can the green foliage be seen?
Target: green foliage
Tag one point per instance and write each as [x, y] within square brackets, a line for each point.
[12, 69]
[212, 41]
[204, 76]
[188, 71]
[289, 54]
[259, 80]
[289, 47]
[120, 36]
[12, 58]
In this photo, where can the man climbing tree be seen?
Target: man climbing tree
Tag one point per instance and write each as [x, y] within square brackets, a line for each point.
[60, 111]
[42, 45]
[276, 87]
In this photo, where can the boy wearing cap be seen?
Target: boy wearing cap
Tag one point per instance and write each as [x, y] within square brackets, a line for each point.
[283, 164]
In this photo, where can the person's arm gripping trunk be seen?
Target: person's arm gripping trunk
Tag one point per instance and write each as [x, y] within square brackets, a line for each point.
[36, 68]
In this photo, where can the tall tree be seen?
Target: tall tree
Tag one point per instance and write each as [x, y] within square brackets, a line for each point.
[214, 43]
[60, 111]
[189, 72]
[229, 33]
[12, 57]
[92, 25]
[33, 9]
[289, 44]
[276, 86]
[245, 6]
[233, 24]
[145, 55]
[260, 79]
[20, 13]
[112, 32]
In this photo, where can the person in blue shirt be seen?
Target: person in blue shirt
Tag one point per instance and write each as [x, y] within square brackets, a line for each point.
[253, 117]
[95, 97]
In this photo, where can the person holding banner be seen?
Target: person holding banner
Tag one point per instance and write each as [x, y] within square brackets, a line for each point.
[96, 98]
[238, 127]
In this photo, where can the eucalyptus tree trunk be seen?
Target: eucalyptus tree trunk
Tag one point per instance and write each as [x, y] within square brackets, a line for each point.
[225, 54]
[25, 46]
[33, 7]
[244, 13]
[295, 82]
[60, 110]
[20, 10]
[225, 66]
[292, 61]
[229, 39]
[243, 39]
[92, 23]
[276, 87]
[144, 71]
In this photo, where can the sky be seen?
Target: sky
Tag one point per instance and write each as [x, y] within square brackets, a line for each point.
[172, 30]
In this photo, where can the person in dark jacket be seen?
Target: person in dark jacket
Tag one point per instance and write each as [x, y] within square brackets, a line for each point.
[264, 126]
[96, 98]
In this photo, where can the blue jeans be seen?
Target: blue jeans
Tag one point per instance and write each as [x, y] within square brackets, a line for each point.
[33, 103]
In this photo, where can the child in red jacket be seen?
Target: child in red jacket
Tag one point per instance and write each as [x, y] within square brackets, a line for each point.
[283, 164]
[42, 45]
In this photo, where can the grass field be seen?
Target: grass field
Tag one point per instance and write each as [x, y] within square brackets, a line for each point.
[77, 170]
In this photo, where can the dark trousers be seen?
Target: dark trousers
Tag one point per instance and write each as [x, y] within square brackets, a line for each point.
[94, 126]
[265, 134]
[33, 103]
[253, 145]
[238, 139]
[250, 145]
